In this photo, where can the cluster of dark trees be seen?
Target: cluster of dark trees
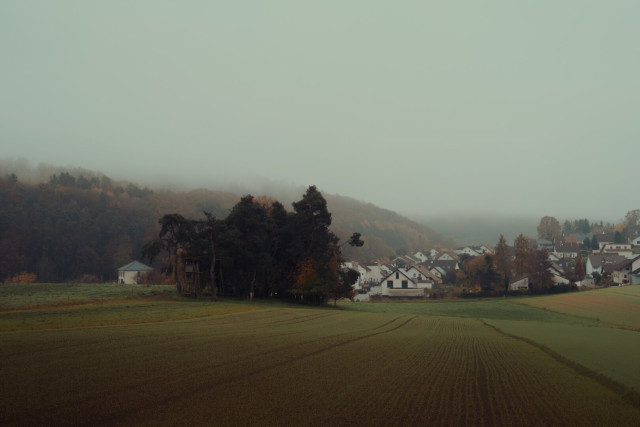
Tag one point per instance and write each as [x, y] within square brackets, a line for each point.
[66, 233]
[581, 226]
[82, 229]
[549, 229]
[65, 179]
[259, 250]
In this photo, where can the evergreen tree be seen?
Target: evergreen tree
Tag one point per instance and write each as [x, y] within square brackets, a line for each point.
[250, 230]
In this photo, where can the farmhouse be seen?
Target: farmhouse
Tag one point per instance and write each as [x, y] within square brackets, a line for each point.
[597, 263]
[130, 274]
[421, 273]
[398, 284]
[626, 272]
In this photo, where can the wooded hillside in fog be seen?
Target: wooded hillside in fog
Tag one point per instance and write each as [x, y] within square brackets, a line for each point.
[77, 224]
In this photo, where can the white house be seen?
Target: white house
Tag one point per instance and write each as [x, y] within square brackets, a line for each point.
[622, 249]
[623, 273]
[635, 241]
[596, 263]
[487, 249]
[421, 256]
[519, 284]
[446, 256]
[468, 250]
[399, 285]
[362, 271]
[566, 250]
[130, 274]
[423, 277]
[373, 275]
[604, 238]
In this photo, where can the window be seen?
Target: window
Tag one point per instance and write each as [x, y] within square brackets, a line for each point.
[405, 284]
[390, 284]
[397, 275]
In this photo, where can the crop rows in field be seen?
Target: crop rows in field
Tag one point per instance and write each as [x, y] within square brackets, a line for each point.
[287, 366]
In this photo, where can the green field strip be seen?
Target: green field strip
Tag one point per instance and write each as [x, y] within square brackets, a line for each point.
[618, 306]
[610, 352]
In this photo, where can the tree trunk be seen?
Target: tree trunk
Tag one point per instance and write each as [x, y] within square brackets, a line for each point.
[253, 280]
[212, 271]
[176, 274]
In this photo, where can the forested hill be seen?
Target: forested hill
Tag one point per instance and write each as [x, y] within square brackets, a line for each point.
[76, 225]
[385, 232]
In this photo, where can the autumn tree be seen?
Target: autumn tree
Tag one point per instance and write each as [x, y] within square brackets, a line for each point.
[522, 250]
[480, 272]
[540, 277]
[579, 272]
[632, 221]
[549, 228]
[503, 262]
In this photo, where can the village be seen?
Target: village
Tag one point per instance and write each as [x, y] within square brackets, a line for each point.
[423, 273]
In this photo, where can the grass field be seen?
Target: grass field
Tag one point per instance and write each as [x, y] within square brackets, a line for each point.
[24, 295]
[607, 351]
[233, 363]
[619, 306]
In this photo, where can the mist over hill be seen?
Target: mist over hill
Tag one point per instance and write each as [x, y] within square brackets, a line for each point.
[476, 229]
[385, 232]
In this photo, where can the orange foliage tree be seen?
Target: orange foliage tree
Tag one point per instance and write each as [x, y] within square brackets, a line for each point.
[23, 277]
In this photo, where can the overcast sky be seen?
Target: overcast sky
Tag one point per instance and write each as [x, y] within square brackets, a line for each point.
[418, 106]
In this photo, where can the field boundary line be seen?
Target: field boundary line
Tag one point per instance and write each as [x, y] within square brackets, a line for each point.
[627, 393]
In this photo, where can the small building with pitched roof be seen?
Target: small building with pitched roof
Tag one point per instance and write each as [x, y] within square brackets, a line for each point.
[130, 274]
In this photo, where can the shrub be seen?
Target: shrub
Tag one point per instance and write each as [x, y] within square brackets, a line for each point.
[89, 278]
[24, 277]
[152, 278]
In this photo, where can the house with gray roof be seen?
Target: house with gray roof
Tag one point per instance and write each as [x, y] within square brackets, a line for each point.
[625, 272]
[598, 263]
[130, 274]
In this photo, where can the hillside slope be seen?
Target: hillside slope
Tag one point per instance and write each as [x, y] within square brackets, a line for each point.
[383, 231]
[77, 224]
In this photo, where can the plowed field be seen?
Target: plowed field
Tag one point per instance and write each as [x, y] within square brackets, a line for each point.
[295, 367]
